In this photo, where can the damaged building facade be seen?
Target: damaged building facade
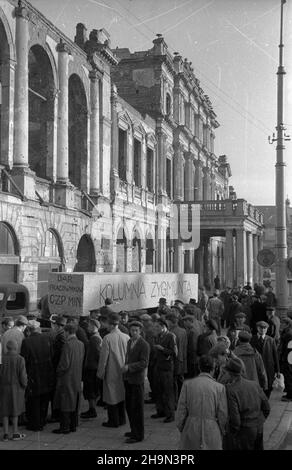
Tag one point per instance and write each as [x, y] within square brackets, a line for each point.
[97, 146]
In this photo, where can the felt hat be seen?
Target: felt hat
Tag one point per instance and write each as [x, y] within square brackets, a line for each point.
[33, 324]
[22, 320]
[234, 366]
[162, 300]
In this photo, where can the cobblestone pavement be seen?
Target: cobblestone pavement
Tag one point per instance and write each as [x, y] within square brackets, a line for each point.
[91, 435]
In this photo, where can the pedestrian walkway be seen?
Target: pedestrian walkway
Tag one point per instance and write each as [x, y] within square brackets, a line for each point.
[278, 422]
[91, 435]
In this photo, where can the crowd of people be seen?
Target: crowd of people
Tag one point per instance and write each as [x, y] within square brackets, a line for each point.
[215, 386]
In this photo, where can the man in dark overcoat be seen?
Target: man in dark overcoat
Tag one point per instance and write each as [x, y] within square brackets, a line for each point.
[180, 363]
[166, 352]
[266, 346]
[69, 376]
[37, 351]
[194, 329]
[137, 358]
[248, 407]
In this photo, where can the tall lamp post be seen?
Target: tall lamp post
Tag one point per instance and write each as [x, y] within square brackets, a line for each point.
[281, 232]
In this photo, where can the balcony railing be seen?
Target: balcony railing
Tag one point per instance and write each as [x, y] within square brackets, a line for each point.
[229, 207]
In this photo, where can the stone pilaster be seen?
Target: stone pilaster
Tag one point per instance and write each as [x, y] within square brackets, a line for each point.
[63, 116]
[249, 243]
[21, 88]
[94, 132]
[228, 258]
[114, 141]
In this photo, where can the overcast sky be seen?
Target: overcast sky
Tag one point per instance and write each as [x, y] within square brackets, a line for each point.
[233, 47]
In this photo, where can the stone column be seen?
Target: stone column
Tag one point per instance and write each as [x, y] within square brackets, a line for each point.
[63, 116]
[21, 88]
[249, 257]
[229, 259]
[94, 132]
[189, 178]
[260, 247]
[241, 258]
[255, 262]
[198, 180]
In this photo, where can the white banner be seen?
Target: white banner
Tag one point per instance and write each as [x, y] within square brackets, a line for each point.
[77, 293]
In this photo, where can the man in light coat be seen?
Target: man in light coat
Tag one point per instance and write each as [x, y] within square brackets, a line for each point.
[69, 376]
[110, 370]
[202, 414]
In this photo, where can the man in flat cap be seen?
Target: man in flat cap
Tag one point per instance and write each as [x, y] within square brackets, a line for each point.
[162, 306]
[194, 329]
[148, 334]
[136, 362]
[208, 339]
[69, 377]
[58, 323]
[166, 352]
[110, 370]
[266, 346]
[37, 351]
[253, 362]
[216, 309]
[15, 334]
[239, 322]
[248, 408]
[274, 324]
[89, 376]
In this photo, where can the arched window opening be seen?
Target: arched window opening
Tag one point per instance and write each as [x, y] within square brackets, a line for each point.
[41, 112]
[9, 254]
[149, 254]
[86, 261]
[51, 260]
[121, 251]
[169, 253]
[136, 252]
[78, 116]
